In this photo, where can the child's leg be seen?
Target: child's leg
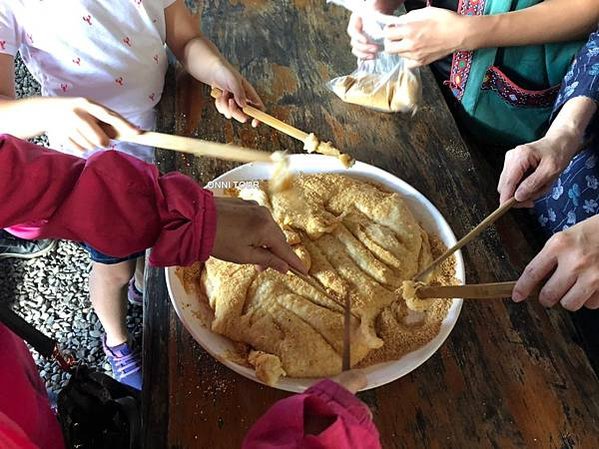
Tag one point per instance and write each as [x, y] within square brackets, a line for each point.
[140, 269]
[108, 293]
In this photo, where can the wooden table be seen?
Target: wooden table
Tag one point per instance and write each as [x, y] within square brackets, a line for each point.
[509, 376]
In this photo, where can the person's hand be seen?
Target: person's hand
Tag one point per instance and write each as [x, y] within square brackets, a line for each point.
[571, 261]
[361, 46]
[246, 233]
[425, 35]
[237, 93]
[353, 380]
[82, 122]
[530, 170]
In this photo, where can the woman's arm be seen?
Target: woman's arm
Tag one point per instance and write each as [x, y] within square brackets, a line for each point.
[67, 197]
[428, 34]
[548, 21]
[529, 170]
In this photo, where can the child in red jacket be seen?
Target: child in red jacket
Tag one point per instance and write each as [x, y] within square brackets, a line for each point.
[60, 194]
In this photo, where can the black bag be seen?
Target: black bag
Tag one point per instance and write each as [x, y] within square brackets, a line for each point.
[94, 410]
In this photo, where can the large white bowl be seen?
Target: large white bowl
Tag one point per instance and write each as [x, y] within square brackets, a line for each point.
[187, 308]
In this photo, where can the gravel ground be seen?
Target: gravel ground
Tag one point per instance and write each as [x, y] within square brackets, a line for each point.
[51, 292]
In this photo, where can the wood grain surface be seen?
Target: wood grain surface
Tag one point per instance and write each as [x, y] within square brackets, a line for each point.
[509, 376]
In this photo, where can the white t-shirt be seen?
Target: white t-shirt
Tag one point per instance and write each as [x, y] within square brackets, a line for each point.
[110, 51]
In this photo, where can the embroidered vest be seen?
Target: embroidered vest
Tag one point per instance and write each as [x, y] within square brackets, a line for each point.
[506, 94]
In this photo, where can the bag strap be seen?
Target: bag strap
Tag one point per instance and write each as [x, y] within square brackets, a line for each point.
[46, 346]
[130, 407]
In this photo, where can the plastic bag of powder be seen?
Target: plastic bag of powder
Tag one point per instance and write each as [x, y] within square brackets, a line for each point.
[384, 83]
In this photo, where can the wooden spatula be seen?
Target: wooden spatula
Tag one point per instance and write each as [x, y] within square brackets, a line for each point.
[197, 147]
[498, 213]
[472, 291]
[322, 147]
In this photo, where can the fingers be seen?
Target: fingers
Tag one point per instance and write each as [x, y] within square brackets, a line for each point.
[228, 106]
[353, 380]
[236, 111]
[264, 258]
[222, 104]
[593, 302]
[364, 51]
[93, 132]
[76, 145]
[579, 295]
[254, 99]
[84, 141]
[517, 163]
[535, 272]
[252, 95]
[277, 244]
[122, 126]
[557, 286]
[403, 47]
[238, 91]
[361, 46]
[395, 32]
[354, 29]
[538, 181]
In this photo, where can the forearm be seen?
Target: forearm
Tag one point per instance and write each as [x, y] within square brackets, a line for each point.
[22, 118]
[67, 197]
[200, 58]
[573, 120]
[184, 37]
[546, 22]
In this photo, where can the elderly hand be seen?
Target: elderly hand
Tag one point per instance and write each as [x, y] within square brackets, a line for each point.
[570, 261]
[530, 170]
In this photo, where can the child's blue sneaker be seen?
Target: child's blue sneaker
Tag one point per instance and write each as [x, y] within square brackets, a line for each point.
[125, 362]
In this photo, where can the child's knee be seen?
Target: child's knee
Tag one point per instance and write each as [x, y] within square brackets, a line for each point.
[118, 274]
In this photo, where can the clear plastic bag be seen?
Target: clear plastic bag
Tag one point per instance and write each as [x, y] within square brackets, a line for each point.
[384, 83]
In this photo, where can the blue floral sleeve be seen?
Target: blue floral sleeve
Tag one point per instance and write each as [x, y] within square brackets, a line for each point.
[574, 197]
[582, 80]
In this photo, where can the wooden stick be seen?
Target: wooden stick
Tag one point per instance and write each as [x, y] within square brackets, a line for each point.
[346, 359]
[310, 281]
[197, 147]
[268, 119]
[469, 237]
[472, 291]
